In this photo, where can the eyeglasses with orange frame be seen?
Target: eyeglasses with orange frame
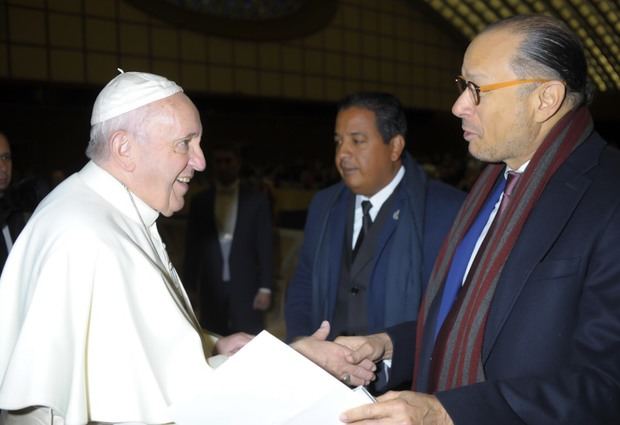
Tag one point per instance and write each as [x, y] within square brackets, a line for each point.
[474, 89]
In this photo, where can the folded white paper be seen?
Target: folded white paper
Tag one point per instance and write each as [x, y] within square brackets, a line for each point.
[268, 383]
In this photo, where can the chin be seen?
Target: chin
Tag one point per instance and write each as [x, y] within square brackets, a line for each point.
[350, 180]
[170, 210]
[479, 154]
[352, 187]
[173, 209]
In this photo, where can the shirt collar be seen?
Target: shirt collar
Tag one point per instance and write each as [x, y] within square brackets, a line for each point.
[117, 194]
[378, 199]
[519, 170]
[230, 188]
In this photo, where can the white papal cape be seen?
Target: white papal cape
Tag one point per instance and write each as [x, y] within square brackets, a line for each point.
[87, 324]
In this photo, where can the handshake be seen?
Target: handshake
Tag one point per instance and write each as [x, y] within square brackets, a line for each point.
[352, 359]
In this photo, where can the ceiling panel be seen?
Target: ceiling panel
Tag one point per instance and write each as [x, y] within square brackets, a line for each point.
[597, 22]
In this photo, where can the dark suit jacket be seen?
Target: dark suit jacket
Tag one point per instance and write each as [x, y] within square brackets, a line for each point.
[551, 350]
[14, 219]
[422, 213]
[251, 257]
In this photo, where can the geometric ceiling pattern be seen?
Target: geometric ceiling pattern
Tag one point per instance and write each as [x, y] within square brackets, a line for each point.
[242, 9]
[597, 22]
[256, 20]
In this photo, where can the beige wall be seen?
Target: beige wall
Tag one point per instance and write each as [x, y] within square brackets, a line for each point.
[386, 45]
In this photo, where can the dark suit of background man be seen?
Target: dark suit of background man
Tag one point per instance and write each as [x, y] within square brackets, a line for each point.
[11, 219]
[229, 253]
[531, 334]
[382, 283]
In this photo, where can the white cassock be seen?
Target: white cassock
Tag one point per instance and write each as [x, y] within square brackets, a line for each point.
[88, 325]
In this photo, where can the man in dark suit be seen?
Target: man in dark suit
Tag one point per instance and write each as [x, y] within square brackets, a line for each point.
[229, 253]
[370, 241]
[11, 218]
[520, 322]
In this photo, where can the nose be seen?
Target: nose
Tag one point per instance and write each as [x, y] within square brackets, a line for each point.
[342, 150]
[197, 159]
[4, 166]
[463, 105]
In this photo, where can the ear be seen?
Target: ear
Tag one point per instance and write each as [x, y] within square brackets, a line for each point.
[548, 100]
[398, 145]
[120, 150]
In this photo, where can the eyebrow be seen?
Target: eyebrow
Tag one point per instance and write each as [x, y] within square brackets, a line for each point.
[475, 76]
[188, 136]
[354, 133]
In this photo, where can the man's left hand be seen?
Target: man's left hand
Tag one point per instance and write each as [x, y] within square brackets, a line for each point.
[406, 408]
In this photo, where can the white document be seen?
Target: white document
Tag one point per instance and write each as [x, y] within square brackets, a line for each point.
[268, 383]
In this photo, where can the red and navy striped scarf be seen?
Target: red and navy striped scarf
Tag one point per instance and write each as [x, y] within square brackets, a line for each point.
[460, 360]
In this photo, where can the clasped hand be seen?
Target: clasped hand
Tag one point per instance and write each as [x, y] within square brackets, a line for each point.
[336, 358]
[406, 407]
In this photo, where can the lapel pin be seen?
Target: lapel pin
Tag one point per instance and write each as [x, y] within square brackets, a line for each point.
[396, 214]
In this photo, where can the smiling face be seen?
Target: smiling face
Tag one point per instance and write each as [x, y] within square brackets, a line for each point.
[365, 163]
[501, 127]
[167, 154]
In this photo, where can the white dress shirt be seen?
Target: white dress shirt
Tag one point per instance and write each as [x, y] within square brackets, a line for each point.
[226, 206]
[377, 200]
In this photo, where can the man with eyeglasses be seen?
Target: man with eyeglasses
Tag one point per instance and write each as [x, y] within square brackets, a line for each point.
[520, 321]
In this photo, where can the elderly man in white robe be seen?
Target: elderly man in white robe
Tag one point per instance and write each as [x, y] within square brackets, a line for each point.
[94, 323]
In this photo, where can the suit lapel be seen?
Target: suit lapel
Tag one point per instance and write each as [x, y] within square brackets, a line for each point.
[210, 206]
[336, 222]
[15, 225]
[543, 227]
[212, 266]
[242, 210]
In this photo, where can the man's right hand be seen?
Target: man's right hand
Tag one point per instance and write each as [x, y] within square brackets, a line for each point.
[374, 348]
[402, 408]
[333, 358]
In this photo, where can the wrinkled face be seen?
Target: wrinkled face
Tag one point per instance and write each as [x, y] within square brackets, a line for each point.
[6, 163]
[501, 127]
[227, 166]
[167, 154]
[365, 163]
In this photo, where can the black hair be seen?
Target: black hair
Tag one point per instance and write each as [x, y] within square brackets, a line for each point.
[389, 114]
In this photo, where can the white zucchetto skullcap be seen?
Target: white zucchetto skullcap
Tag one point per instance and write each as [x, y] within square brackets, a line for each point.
[128, 91]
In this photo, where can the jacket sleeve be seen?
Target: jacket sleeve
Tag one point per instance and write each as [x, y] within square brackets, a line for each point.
[298, 306]
[403, 338]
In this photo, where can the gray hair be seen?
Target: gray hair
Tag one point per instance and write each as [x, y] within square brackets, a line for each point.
[550, 49]
[100, 133]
